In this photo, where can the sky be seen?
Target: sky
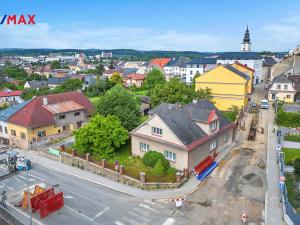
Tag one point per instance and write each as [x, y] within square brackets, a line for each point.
[191, 25]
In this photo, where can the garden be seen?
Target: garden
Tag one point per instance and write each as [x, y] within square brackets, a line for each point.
[295, 137]
[287, 119]
[292, 158]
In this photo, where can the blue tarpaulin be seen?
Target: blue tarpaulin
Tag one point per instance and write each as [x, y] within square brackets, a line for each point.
[207, 171]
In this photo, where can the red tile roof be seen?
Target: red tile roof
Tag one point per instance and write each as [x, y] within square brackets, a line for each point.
[34, 114]
[10, 93]
[160, 62]
[244, 66]
[136, 76]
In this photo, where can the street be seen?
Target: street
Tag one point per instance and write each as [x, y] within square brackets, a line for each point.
[86, 203]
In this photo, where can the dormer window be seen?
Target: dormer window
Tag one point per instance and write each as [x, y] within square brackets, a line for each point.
[213, 126]
[285, 87]
[278, 86]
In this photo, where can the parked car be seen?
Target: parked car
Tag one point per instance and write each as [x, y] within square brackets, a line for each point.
[264, 104]
[23, 164]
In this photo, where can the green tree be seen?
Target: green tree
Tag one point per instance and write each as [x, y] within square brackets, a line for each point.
[97, 89]
[194, 79]
[70, 85]
[116, 78]
[150, 159]
[101, 136]
[15, 72]
[121, 103]
[99, 70]
[296, 165]
[203, 93]
[2, 78]
[171, 92]
[159, 168]
[153, 78]
[55, 65]
[11, 86]
[111, 64]
[35, 76]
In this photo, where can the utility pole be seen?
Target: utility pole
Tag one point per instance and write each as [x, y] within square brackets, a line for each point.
[28, 194]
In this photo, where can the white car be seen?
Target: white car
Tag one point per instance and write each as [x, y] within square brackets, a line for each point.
[264, 104]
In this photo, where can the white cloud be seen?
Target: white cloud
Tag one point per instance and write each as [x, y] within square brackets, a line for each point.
[43, 35]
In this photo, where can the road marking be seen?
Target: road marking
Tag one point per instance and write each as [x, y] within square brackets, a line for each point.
[147, 207]
[138, 216]
[149, 201]
[24, 214]
[119, 223]
[17, 179]
[169, 221]
[81, 214]
[131, 221]
[68, 196]
[141, 211]
[100, 213]
[77, 194]
[29, 179]
[10, 188]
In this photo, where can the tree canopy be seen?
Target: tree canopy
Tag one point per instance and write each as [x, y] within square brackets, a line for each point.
[15, 72]
[176, 91]
[99, 70]
[98, 88]
[153, 78]
[55, 65]
[101, 136]
[121, 103]
[71, 85]
[116, 78]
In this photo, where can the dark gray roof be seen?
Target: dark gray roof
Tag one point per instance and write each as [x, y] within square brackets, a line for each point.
[203, 61]
[56, 80]
[177, 62]
[181, 120]
[282, 79]
[37, 84]
[240, 55]
[5, 114]
[269, 61]
[234, 70]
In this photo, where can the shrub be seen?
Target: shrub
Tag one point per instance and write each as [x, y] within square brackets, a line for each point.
[297, 165]
[151, 158]
[159, 168]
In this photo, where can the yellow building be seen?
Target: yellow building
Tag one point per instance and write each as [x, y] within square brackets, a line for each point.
[247, 70]
[48, 117]
[229, 86]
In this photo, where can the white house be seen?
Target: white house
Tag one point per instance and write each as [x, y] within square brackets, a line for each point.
[197, 65]
[250, 59]
[11, 96]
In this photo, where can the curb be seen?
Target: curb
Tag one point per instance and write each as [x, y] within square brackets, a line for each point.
[111, 187]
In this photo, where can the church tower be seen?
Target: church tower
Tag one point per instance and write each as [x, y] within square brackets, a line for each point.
[246, 45]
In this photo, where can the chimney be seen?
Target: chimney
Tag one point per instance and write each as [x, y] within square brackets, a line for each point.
[45, 101]
[195, 101]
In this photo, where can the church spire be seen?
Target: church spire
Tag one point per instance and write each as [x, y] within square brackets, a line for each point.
[246, 45]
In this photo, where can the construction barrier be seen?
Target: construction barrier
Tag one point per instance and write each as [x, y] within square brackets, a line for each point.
[200, 167]
[207, 171]
[47, 202]
[37, 190]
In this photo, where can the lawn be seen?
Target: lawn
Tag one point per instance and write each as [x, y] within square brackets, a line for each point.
[290, 154]
[287, 119]
[134, 165]
[94, 99]
[291, 183]
[292, 137]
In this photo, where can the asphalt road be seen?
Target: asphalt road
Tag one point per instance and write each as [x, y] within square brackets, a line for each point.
[86, 203]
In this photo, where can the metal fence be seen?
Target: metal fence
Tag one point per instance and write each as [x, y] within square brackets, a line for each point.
[291, 216]
[7, 219]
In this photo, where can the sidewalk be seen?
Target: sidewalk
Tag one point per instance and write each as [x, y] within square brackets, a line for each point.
[187, 188]
[190, 186]
[273, 212]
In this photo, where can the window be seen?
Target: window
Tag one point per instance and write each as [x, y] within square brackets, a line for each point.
[278, 86]
[76, 113]
[13, 132]
[288, 96]
[212, 145]
[41, 133]
[1, 129]
[156, 130]
[285, 87]
[5, 130]
[62, 116]
[23, 135]
[170, 155]
[191, 72]
[225, 137]
[144, 147]
[213, 126]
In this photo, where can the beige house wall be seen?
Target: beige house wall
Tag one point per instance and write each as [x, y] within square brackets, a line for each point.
[181, 155]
